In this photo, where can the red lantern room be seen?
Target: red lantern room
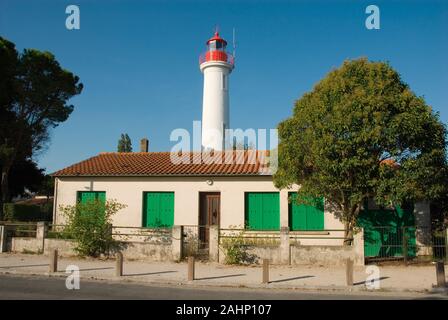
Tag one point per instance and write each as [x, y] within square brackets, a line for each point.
[216, 50]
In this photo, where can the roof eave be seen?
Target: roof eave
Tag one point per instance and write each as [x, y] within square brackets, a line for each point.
[160, 175]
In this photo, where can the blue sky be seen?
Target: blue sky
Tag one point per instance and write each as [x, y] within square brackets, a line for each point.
[138, 60]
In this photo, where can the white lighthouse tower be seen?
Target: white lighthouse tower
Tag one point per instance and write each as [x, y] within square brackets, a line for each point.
[216, 65]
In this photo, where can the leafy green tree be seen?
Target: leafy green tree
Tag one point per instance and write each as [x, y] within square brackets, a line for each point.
[37, 91]
[362, 133]
[124, 144]
[25, 174]
[46, 187]
[89, 224]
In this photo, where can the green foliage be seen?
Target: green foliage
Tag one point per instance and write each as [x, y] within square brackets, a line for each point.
[235, 247]
[35, 91]
[26, 212]
[362, 133]
[25, 174]
[46, 186]
[90, 225]
[124, 144]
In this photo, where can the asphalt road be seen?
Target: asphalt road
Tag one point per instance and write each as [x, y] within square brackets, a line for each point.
[40, 287]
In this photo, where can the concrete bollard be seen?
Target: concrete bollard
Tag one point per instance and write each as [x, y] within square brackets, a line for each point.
[119, 265]
[440, 274]
[265, 278]
[54, 260]
[349, 272]
[3, 239]
[190, 268]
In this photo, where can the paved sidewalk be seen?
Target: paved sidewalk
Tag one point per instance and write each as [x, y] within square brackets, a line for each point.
[391, 278]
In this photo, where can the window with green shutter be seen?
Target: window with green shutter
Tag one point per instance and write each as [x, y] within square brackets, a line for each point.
[86, 196]
[262, 210]
[306, 216]
[158, 209]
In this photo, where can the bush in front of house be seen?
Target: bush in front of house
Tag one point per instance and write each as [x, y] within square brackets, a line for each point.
[27, 212]
[236, 249]
[90, 225]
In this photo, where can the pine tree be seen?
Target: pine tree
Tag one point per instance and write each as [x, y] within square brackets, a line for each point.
[124, 144]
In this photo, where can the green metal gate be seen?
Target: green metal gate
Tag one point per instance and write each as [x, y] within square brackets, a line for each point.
[388, 234]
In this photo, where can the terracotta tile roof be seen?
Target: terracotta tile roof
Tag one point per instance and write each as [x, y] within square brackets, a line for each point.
[390, 162]
[171, 164]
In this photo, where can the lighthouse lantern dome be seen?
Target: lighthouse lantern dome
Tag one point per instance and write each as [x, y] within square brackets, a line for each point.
[216, 51]
[216, 42]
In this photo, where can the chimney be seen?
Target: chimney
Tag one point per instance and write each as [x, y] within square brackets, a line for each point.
[144, 145]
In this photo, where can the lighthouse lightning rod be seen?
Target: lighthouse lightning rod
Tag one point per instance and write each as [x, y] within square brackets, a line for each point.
[234, 45]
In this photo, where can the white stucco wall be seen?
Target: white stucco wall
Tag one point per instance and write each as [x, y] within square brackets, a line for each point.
[129, 191]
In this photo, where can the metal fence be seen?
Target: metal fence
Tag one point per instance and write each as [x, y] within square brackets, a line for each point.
[195, 241]
[58, 231]
[327, 237]
[20, 229]
[247, 237]
[141, 234]
[409, 244]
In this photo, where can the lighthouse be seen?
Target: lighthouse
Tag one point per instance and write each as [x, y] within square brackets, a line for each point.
[216, 65]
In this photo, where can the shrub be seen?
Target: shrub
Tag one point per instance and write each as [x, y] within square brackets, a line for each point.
[235, 248]
[27, 212]
[90, 226]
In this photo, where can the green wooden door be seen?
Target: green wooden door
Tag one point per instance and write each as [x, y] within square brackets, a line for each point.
[158, 209]
[262, 210]
[306, 216]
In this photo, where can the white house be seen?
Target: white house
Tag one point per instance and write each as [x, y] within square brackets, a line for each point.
[233, 189]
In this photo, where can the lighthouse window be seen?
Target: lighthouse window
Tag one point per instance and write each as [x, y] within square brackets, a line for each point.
[224, 82]
[213, 45]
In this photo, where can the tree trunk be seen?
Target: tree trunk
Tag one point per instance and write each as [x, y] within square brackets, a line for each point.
[4, 188]
[348, 233]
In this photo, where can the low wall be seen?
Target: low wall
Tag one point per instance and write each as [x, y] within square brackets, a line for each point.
[300, 255]
[65, 247]
[321, 255]
[130, 250]
[281, 248]
[147, 251]
[256, 254]
[297, 248]
[26, 245]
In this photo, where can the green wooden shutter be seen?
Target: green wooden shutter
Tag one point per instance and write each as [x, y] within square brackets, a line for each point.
[152, 209]
[262, 210]
[101, 196]
[306, 217]
[87, 196]
[166, 213]
[253, 216]
[297, 214]
[158, 209]
[90, 196]
[271, 211]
